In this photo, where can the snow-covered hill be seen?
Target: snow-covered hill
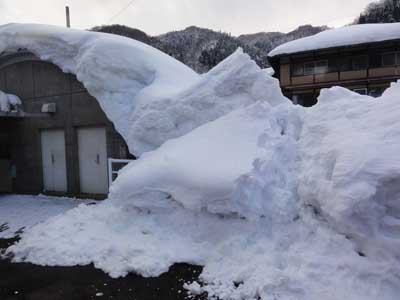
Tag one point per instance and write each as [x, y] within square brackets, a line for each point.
[202, 49]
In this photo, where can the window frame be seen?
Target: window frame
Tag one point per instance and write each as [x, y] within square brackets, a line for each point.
[309, 68]
[294, 72]
[325, 61]
[356, 90]
[359, 56]
[396, 55]
[312, 69]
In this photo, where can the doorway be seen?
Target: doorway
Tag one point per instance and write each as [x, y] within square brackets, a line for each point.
[53, 161]
[92, 151]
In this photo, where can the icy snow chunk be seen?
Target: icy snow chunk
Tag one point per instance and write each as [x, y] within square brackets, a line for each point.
[234, 83]
[351, 159]
[193, 288]
[8, 101]
[199, 170]
[344, 36]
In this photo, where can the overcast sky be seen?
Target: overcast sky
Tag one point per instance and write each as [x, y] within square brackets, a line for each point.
[160, 16]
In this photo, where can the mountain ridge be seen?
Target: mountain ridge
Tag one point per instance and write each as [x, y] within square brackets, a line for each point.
[203, 48]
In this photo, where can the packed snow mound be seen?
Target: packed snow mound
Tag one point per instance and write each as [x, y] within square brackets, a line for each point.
[8, 102]
[344, 36]
[315, 216]
[350, 156]
[149, 96]
[184, 169]
[234, 83]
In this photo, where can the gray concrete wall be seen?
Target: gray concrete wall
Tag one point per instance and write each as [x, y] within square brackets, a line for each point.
[36, 83]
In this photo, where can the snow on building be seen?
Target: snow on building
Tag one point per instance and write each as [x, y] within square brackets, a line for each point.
[59, 139]
[363, 58]
[88, 97]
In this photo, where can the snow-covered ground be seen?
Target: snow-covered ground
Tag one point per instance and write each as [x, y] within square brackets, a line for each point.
[20, 212]
[276, 201]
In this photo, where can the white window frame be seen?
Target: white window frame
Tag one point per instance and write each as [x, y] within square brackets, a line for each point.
[361, 89]
[111, 172]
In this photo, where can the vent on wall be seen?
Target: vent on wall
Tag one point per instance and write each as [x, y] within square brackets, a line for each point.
[49, 108]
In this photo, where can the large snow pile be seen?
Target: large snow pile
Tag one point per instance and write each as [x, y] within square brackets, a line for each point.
[350, 156]
[344, 36]
[276, 201]
[8, 102]
[185, 170]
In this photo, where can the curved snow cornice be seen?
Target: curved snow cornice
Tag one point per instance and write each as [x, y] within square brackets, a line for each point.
[119, 72]
[340, 37]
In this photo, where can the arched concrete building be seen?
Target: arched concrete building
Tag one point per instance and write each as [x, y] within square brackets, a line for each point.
[59, 141]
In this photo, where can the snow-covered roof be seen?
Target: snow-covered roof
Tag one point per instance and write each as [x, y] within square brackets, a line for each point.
[119, 72]
[344, 36]
[149, 96]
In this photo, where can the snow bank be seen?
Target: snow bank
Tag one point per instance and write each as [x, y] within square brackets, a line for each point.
[314, 217]
[235, 83]
[149, 96]
[8, 101]
[350, 150]
[199, 170]
[344, 36]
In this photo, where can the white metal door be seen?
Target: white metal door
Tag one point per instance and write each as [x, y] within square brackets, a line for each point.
[53, 161]
[93, 160]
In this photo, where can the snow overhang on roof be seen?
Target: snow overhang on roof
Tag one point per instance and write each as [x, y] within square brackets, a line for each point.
[340, 37]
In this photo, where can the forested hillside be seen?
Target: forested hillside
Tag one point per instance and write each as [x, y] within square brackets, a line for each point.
[202, 49]
[384, 11]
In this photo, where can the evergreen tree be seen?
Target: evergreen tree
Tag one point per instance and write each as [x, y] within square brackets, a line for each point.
[384, 11]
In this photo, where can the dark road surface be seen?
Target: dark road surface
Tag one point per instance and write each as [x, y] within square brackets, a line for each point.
[23, 281]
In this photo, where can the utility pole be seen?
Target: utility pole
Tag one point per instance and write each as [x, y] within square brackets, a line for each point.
[67, 15]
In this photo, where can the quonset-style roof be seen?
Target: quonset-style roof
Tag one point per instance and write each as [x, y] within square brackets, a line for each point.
[340, 37]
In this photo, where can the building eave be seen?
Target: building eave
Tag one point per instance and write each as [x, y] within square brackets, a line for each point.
[332, 49]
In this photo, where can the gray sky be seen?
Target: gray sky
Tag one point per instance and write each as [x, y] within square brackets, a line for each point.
[159, 16]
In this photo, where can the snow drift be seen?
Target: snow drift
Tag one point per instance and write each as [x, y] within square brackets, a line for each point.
[276, 201]
[350, 157]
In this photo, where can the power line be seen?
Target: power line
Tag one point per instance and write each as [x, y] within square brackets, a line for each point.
[121, 11]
